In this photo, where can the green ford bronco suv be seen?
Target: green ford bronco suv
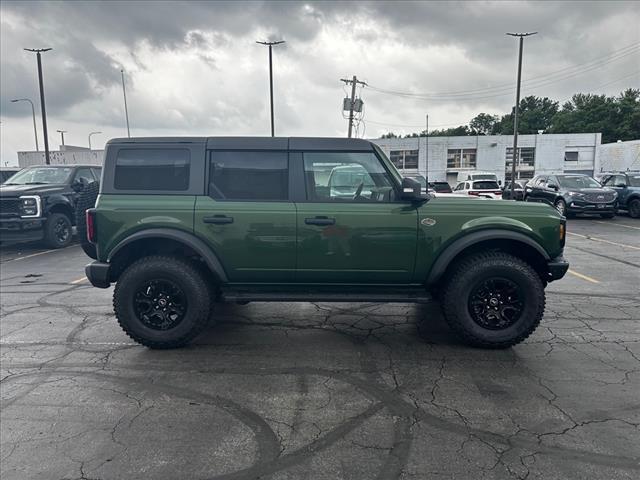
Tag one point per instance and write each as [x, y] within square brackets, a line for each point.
[182, 224]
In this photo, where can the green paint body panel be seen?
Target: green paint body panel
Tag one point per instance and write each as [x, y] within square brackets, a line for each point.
[270, 242]
[260, 244]
[119, 216]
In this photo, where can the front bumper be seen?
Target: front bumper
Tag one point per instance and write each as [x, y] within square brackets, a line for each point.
[98, 274]
[577, 206]
[22, 229]
[557, 267]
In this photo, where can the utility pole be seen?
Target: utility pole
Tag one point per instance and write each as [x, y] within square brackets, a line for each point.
[353, 83]
[62, 132]
[516, 112]
[126, 112]
[271, 44]
[426, 132]
[33, 114]
[38, 51]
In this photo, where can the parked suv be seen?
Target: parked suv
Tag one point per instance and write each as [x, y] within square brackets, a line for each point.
[39, 203]
[479, 188]
[627, 184]
[183, 223]
[572, 194]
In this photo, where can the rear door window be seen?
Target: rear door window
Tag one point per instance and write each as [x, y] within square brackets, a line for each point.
[249, 175]
[152, 169]
[485, 185]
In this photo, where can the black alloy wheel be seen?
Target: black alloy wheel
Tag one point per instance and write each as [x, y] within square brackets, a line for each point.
[160, 304]
[496, 303]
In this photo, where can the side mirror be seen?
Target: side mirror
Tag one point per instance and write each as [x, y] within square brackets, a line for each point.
[79, 184]
[411, 189]
[553, 186]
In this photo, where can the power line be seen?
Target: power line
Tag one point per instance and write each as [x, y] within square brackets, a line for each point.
[492, 92]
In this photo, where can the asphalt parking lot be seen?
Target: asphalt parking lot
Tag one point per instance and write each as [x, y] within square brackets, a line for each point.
[323, 391]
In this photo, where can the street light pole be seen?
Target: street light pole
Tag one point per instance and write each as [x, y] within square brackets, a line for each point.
[62, 132]
[271, 44]
[89, 137]
[38, 51]
[514, 158]
[33, 114]
[126, 111]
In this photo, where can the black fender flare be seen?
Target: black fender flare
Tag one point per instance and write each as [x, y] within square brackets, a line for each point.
[58, 200]
[454, 249]
[180, 236]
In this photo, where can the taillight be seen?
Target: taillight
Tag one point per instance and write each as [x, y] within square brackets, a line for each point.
[473, 193]
[499, 192]
[90, 215]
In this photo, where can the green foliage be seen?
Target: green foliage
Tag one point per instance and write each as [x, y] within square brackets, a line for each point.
[617, 118]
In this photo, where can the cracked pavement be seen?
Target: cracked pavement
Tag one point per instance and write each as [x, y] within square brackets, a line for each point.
[322, 391]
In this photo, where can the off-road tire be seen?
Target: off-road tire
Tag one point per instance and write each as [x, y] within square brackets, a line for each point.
[183, 273]
[634, 208]
[467, 274]
[51, 240]
[86, 200]
[607, 215]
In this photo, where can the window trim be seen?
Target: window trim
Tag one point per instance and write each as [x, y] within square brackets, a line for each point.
[207, 173]
[303, 194]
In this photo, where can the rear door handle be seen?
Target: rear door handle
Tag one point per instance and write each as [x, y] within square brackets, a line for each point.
[218, 219]
[320, 221]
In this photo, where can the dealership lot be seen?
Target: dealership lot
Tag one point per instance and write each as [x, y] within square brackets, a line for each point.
[323, 391]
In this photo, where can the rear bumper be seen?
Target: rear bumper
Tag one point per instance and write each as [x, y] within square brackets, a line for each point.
[98, 274]
[557, 268]
[22, 229]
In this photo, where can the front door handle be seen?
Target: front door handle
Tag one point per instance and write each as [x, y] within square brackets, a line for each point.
[320, 221]
[218, 219]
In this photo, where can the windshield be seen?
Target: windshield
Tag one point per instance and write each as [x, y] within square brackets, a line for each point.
[634, 180]
[577, 182]
[40, 175]
[485, 185]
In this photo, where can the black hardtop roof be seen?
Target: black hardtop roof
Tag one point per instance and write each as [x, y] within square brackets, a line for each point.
[257, 143]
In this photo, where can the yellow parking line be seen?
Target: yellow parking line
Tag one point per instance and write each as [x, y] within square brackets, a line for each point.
[603, 241]
[583, 277]
[617, 224]
[80, 280]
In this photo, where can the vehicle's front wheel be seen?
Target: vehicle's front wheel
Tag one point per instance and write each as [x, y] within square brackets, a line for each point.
[634, 208]
[58, 231]
[493, 300]
[162, 302]
[561, 206]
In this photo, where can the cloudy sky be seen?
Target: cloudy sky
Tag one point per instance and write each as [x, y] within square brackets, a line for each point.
[193, 68]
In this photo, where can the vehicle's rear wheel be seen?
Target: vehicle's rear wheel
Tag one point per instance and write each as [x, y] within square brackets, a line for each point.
[561, 206]
[58, 231]
[86, 200]
[634, 208]
[162, 302]
[493, 300]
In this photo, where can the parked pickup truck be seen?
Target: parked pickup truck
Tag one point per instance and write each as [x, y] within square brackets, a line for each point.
[39, 202]
[182, 224]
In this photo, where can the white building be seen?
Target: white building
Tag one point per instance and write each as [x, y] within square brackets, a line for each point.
[619, 156]
[67, 155]
[543, 153]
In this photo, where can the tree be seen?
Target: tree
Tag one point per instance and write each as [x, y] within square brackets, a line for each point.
[535, 114]
[389, 135]
[483, 123]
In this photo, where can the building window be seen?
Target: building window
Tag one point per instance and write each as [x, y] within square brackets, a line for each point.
[570, 156]
[461, 158]
[404, 159]
[526, 156]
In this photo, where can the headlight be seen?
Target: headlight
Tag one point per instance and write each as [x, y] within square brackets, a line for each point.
[31, 206]
[576, 194]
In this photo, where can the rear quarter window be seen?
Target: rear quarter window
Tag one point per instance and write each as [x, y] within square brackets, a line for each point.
[152, 169]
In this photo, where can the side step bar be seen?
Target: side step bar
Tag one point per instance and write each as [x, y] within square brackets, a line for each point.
[411, 296]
